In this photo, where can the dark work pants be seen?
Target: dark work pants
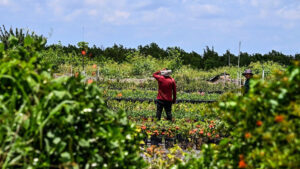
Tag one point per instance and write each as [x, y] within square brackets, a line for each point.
[162, 104]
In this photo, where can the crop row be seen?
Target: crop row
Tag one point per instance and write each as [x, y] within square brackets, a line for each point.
[179, 111]
[149, 94]
[193, 85]
[186, 133]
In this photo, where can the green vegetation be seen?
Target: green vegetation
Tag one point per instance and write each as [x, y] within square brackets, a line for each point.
[179, 111]
[57, 123]
[67, 122]
[264, 127]
[5, 36]
[206, 61]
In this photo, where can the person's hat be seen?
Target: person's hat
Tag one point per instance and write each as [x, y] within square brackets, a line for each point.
[166, 72]
[248, 71]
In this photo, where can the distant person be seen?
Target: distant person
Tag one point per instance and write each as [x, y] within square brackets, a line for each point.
[248, 74]
[166, 88]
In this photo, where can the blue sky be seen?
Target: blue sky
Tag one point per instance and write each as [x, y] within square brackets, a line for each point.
[260, 25]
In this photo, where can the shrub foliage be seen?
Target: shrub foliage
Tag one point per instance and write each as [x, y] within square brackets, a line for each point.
[57, 123]
[264, 127]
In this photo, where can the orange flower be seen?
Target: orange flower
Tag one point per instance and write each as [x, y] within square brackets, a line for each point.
[93, 73]
[279, 118]
[247, 135]
[208, 134]
[285, 79]
[259, 123]
[94, 66]
[177, 128]
[76, 74]
[90, 81]
[242, 164]
[198, 126]
[155, 132]
[119, 95]
[143, 127]
[150, 150]
[201, 132]
[217, 135]
[211, 126]
[83, 52]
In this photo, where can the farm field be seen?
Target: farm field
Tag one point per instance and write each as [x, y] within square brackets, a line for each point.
[57, 113]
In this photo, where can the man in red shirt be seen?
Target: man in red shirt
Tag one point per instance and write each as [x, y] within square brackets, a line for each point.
[166, 87]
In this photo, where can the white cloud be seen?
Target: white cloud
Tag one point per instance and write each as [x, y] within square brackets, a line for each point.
[4, 2]
[10, 4]
[141, 4]
[116, 17]
[290, 13]
[266, 3]
[56, 6]
[93, 12]
[204, 9]
[73, 15]
[113, 12]
[159, 15]
[96, 2]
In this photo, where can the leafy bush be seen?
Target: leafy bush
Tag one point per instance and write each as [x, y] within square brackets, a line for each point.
[57, 123]
[142, 65]
[20, 35]
[264, 127]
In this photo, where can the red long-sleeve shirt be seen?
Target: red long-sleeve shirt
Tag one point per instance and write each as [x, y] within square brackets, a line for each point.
[166, 87]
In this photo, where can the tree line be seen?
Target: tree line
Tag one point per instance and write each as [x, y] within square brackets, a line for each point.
[208, 60]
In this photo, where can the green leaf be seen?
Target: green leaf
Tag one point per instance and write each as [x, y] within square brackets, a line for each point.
[231, 104]
[62, 94]
[224, 142]
[26, 124]
[273, 102]
[282, 93]
[15, 160]
[293, 74]
[66, 156]
[50, 134]
[84, 143]
[13, 40]
[28, 41]
[1, 47]
[47, 146]
[56, 140]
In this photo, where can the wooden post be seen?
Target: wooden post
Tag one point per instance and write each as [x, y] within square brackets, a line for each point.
[98, 73]
[263, 72]
[240, 43]
[224, 80]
